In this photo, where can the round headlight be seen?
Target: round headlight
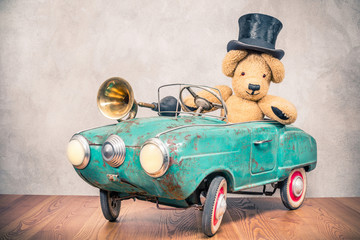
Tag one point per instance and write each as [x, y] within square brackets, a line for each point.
[154, 157]
[78, 151]
[113, 151]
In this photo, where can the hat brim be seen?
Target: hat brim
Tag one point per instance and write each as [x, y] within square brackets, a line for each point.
[237, 45]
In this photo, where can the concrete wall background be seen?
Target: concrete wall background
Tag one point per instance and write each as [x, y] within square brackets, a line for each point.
[55, 54]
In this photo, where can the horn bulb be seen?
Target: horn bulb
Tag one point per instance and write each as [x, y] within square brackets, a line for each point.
[169, 106]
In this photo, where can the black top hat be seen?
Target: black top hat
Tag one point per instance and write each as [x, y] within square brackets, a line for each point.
[258, 32]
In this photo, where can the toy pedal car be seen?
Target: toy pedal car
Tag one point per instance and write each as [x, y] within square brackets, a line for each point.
[186, 158]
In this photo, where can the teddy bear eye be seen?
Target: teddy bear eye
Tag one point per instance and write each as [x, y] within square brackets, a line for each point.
[243, 73]
[264, 75]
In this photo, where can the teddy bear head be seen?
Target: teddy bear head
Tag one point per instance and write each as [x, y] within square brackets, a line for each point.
[252, 73]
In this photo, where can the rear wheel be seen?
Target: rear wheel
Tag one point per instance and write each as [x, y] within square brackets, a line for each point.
[215, 206]
[110, 206]
[293, 189]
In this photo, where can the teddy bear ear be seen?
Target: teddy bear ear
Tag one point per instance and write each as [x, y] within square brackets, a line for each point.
[231, 61]
[277, 68]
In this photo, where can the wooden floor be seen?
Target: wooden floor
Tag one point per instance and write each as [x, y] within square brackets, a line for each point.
[80, 217]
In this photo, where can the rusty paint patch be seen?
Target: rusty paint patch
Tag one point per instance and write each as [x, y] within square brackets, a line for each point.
[255, 162]
[112, 177]
[195, 146]
[173, 161]
[170, 185]
[170, 142]
[99, 137]
[173, 150]
[133, 122]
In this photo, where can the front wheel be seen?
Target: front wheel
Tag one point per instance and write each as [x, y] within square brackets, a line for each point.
[293, 189]
[215, 206]
[110, 206]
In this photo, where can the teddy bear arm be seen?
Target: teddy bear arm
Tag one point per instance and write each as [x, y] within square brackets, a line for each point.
[225, 91]
[278, 109]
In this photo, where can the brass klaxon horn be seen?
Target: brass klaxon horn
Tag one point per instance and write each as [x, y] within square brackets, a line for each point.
[115, 99]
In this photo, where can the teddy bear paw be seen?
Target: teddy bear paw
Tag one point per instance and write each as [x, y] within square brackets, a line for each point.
[280, 114]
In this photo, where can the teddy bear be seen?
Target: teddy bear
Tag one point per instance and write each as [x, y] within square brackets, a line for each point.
[253, 63]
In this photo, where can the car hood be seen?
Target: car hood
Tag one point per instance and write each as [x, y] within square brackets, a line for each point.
[136, 131]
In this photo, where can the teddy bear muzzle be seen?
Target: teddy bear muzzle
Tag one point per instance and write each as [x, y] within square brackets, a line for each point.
[253, 88]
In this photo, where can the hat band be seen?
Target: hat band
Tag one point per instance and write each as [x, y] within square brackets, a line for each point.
[257, 42]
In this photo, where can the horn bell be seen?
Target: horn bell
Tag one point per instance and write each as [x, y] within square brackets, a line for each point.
[115, 99]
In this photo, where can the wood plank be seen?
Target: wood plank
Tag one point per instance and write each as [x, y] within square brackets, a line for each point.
[160, 224]
[97, 227]
[92, 226]
[7, 199]
[249, 219]
[228, 229]
[177, 224]
[351, 202]
[296, 224]
[69, 221]
[35, 219]
[19, 207]
[337, 221]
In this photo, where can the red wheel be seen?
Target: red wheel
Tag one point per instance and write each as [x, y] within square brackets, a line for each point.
[215, 206]
[293, 189]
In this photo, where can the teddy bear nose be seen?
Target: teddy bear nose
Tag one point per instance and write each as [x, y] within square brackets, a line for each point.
[254, 87]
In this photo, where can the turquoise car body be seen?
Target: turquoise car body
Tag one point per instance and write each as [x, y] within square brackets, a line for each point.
[247, 154]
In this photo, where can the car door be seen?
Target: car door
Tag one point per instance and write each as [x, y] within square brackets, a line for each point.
[263, 156]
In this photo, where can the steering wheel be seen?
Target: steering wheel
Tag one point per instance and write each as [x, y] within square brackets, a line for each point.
[201, 103]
